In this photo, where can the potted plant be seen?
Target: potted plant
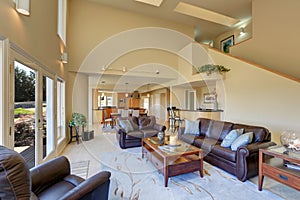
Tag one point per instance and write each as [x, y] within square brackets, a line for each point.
[77, 120]
[210, 68]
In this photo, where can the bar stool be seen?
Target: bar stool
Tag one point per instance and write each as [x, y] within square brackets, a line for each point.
[171, 119]
[177, 119]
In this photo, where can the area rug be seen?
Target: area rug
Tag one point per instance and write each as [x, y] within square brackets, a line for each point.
[80, 168]
[107, 129]
[135, 178]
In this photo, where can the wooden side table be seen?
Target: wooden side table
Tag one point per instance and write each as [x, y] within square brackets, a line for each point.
[272, 164]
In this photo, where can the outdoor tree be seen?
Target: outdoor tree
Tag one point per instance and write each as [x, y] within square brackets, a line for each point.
[24, 85]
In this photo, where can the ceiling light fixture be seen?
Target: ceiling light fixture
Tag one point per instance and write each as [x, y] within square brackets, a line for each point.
[64, 57]
[156, 3]
[208, 15]
[23, 6]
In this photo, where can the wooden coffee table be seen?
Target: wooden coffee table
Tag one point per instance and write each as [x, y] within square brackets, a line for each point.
[173, 160]
[272, 164]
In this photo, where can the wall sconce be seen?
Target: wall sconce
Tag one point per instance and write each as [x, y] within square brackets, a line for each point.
[23, 6]
[242, 31]
[64, 57]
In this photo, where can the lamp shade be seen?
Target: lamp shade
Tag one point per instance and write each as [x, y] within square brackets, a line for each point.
[23, 6]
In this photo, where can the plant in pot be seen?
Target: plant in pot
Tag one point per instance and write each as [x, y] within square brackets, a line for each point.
[77, 120]
[210, 68]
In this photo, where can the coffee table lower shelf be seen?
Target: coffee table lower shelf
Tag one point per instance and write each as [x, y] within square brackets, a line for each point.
[172, 165]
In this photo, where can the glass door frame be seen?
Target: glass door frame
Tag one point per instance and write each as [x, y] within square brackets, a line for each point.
[40, 72]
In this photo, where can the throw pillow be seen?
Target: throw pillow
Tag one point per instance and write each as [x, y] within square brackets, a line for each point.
[147, 122]
[232, 135]
[126, 125]
[242, 140]
[191, 127]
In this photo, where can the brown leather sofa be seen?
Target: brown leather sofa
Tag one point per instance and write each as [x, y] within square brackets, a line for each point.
[243, 163]
[50, 180]
[142, 127]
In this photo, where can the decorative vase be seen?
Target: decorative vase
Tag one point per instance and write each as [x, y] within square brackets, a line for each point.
[161, 137]
[291, 141]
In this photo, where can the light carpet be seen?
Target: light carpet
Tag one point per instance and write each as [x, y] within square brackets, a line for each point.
[136, 178]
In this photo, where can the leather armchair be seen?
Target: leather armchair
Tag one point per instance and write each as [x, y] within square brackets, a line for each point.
[144, 127]
[50, 180]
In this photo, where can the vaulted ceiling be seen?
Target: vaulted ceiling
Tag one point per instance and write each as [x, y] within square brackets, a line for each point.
[206, 29]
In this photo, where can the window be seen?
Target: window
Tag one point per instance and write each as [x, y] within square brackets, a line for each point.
[62, 20]
[61, 127]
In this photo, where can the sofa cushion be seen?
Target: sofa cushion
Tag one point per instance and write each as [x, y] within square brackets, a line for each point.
[191, 127]
[260, 134]
[146, 122]
[134, 122]
[126, 125]
[243, 139]
[205, 143]
[232, 135]
[225, 153]
[149, 132]
[134, 135]
[204, 125]
[219, 129]
[188, 138]
[56, 191]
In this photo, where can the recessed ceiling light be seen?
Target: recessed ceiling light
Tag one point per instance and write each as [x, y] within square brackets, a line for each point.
[151, 2]
[205, 14]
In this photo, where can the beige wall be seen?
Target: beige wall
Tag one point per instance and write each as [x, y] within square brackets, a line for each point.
[238, 38]
[255, 96]
[275, 42]
[36, 34]
[92, 23]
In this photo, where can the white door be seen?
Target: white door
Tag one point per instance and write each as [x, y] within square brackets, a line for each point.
[31, 109]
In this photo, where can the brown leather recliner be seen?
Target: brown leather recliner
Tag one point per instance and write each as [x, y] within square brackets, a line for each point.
[142, 127]
[50, 180]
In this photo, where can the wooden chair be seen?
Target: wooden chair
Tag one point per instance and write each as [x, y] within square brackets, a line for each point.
[107, 119]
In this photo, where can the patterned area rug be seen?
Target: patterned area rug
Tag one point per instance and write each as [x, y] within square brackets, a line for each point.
[135, 178]
[80, 168]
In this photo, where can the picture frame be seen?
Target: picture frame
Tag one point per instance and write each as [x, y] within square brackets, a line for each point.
[226, 44]
[209, 98]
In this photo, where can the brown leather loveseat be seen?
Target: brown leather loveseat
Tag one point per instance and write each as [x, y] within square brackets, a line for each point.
[131, 130]
[243, 160]
[50, 180]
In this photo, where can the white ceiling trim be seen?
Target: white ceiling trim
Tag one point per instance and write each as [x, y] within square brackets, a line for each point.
[208, 15]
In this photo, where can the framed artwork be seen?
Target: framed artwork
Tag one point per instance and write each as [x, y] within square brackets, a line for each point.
[209, 98]
[226, 43]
